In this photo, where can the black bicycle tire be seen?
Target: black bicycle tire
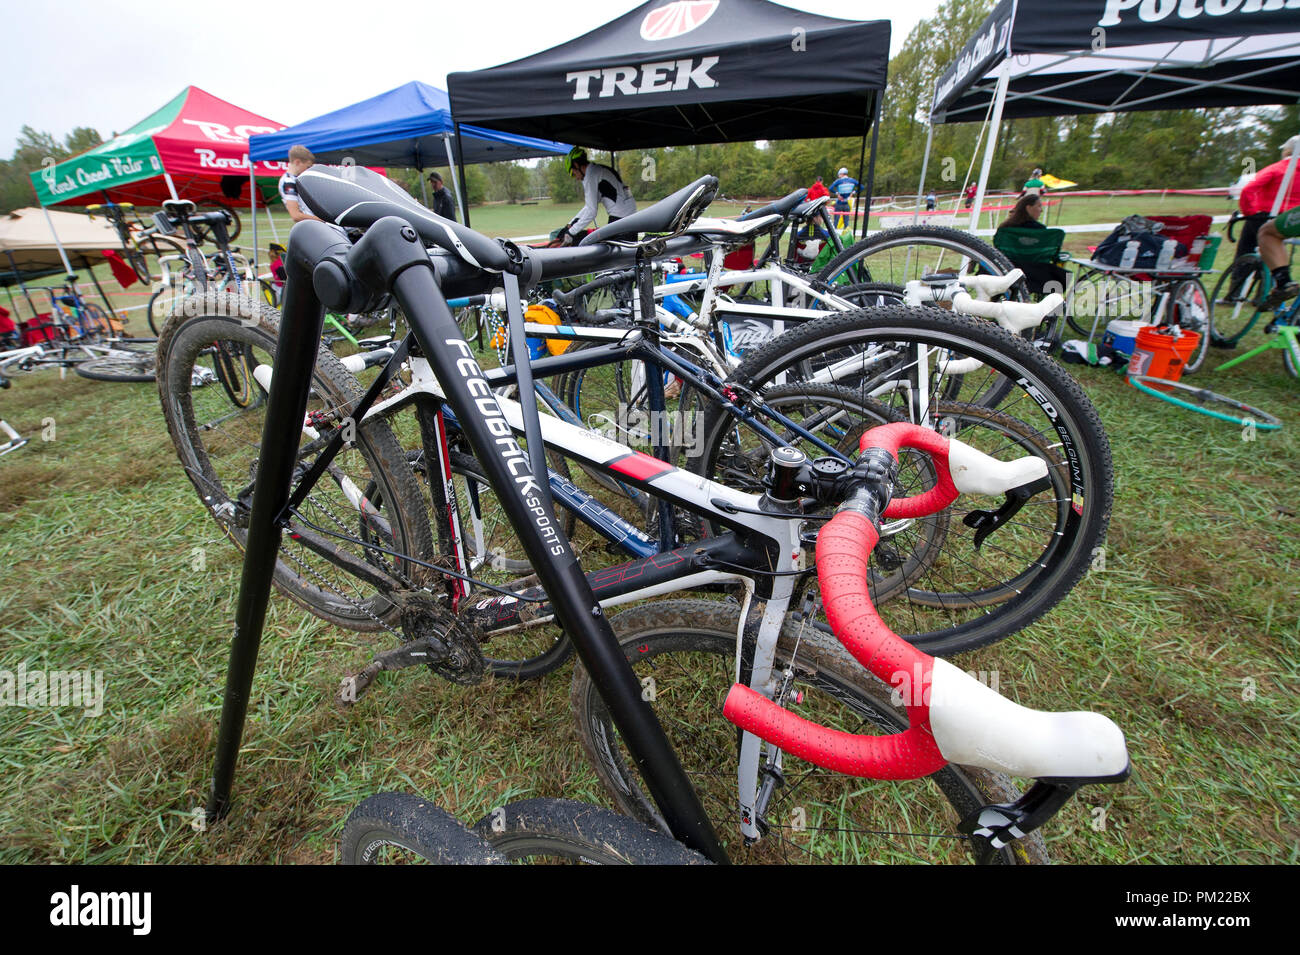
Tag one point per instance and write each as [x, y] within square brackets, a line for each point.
[184, 338]
[702, 626]
[1257, 271]
[579, 832]
[415, 824]
[1076, 421]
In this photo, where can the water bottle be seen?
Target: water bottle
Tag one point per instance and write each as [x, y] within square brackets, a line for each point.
[1166, 257]
[1130, 254]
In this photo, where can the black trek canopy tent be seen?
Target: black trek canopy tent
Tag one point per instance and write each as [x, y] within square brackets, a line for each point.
[689, 72]
[1064, 57]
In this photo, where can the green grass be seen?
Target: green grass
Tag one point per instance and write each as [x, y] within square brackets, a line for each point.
[112, 565]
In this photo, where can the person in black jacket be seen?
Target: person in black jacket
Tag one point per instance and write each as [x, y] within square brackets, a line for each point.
[442, 202]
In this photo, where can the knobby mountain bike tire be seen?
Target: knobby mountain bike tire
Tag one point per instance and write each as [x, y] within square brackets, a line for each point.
[980, 588]
[683, 652]
[550, 831]
[391, 828]
[217, 442]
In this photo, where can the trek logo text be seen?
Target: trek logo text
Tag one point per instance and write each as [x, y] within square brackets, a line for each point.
[669, 76]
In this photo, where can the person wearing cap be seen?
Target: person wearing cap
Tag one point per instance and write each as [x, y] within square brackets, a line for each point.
[843, 189]
[300, 160]
[442, 203]
[601, 185]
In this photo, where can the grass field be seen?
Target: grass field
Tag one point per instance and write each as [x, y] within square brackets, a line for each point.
[1186, 633]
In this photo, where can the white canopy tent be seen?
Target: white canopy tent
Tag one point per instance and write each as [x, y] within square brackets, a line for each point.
[1064, 57]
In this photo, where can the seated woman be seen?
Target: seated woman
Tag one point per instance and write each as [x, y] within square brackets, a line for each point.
[1038, 275]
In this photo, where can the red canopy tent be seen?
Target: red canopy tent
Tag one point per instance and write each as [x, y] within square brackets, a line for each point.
[194, 147]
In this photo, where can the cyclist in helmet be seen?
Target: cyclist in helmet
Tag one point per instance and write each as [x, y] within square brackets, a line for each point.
[843, 189]
[600, 185]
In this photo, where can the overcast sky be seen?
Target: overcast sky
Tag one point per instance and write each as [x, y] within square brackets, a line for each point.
[74, 63]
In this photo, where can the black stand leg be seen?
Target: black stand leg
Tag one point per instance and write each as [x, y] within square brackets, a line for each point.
[295, 359]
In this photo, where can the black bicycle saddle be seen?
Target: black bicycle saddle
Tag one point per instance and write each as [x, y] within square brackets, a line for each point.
[355, 197]
[781, 207]
[666, 217]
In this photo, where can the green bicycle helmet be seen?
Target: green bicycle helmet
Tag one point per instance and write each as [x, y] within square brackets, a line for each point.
[576, 154]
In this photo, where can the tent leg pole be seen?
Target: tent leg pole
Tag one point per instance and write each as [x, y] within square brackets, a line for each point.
[252, 210]
[67, 266]
[871, 169]
[85, 264]
[21, 284]
[424, 189]
[995, 122]
[925, 166]
[171, 186]
[462, 188]
[275, 233]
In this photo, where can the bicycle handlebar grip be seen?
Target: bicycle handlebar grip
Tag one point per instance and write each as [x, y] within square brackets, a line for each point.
[843, 547]
[894, 437]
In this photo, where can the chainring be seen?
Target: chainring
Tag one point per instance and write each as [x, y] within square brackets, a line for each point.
[423, 617]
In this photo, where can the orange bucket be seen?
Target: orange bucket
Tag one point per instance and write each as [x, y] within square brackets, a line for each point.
[1158, 353]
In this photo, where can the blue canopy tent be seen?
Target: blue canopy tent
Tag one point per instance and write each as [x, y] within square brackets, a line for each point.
[410, 126]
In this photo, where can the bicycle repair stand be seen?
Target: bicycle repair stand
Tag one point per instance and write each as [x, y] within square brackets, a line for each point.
[1283, 337]
[391, 256]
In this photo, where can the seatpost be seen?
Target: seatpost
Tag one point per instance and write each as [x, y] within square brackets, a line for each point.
[654, 385]
[302, 317]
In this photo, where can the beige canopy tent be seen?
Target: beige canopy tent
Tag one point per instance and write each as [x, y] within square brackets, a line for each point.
[30, 246]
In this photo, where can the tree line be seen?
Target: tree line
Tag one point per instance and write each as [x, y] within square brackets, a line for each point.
[1161, 149]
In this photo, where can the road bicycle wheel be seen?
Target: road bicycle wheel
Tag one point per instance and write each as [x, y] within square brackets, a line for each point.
[982, 587]
[399, 828]
[900, 255]
[683, 652]
[870, 294]
[561, 831]
[1236, 300]
[119, 365]
[324, 562]
[1190, 309]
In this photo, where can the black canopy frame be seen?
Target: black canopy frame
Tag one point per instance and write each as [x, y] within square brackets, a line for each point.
[690, 72]
[1068, 57]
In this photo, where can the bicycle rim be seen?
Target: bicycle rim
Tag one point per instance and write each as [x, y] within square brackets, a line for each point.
[980, 588]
